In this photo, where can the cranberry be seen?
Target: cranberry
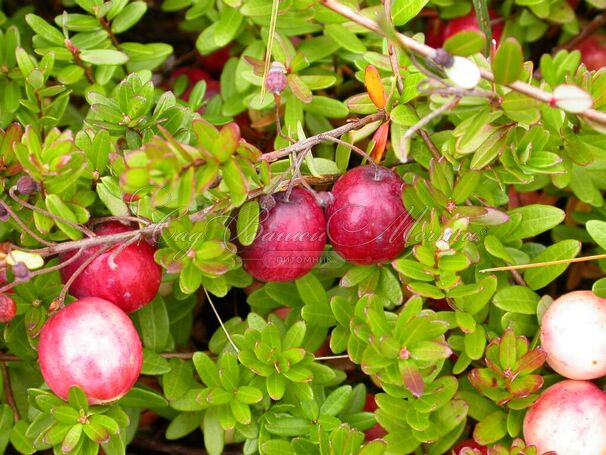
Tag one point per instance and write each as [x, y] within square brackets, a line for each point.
[194, 75]
[472, 447]
[215, 61]
[593, 51]
[130, 283]
[434, 32]
[8, 308]
[377, 431]
[290, 241]
[469, 23]
[93, 344]
[367, 221]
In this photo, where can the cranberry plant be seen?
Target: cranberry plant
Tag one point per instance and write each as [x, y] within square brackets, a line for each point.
[304, 206]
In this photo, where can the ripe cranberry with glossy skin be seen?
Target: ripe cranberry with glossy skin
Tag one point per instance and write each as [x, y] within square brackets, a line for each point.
[377, 431]
[469, 23]
[593, 51]
[367, 222]
[473, 448]
[93, 344]
[8, 308]
[569, 418]
[573, 334]
[290, 240]
[131, 284]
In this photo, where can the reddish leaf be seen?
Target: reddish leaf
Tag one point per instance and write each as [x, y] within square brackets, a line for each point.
[374, 86]
[380, 138]
[412, 378]
[531, 361]
[483, 377]
[523, 386]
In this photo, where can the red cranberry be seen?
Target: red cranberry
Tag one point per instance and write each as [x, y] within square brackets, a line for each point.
[215, 61]
[469, 23]
[195, 75]
[93, 344]
[473, 448]
[434, 32]
[593, 51]
[8, 308]
[367, 221]
[290, 241]
[377, 431]
[132, 283]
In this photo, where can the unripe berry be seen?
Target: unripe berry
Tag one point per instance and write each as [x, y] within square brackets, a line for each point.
[276, 80]
[27, 185]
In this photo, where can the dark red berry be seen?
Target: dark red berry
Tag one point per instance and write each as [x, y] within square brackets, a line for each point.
[132, 282]
[290, 241]
[214, 62]
[469, 23]
[367, 222]
[377, 431]
[593, 51]
[8, 308]
[27, 185]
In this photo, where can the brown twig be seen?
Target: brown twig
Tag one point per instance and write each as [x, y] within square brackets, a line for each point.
[429, 117]
[430, 145]
[24, 226]
[32, 207]
[78, 271]
[323, 137]
[354, 148]
[10, 358]
[596, 23]
[8, 391]
[423, 50]
[112, 257]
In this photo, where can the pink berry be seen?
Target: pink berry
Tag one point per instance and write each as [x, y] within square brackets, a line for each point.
[93, 344]
[290, 241]
[132, 283]
[8, 308]
[568, 418]
[367, 222]
[593, 51]
[469, 23]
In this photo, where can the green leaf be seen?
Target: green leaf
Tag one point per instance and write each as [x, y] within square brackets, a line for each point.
[517, 299]
[213, 433]
[597, 231]
[536, 219]
[540, 277]
[56, 206]
[143, 398]
[327, 107]
[6, 424]
[345, 38]
[154, 323]
[77, 398]
[236, 181]
[248, 222]
[230, 20]
[276, 385]
[183, 424]
[71, 439]
[403, 11]
[336, 401]
[179, 380]
[508, 61]
[491, 429]
[154, 364]
[45, 30]
[465, 43]
[129, 16]
[103, 57]
[299, 88]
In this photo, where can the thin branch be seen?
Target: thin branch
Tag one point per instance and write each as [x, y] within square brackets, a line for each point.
[112, 257]
[105, 219]
[354, 148]
[10, 358]
[429, 117]
[333, 357]
[8, 391]
[430, 145]
[596, 23]
[78, 271]
[426, 51]
[506, 268]
[323, 137]
[32, 207]
[212, 305]
[24, 226]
